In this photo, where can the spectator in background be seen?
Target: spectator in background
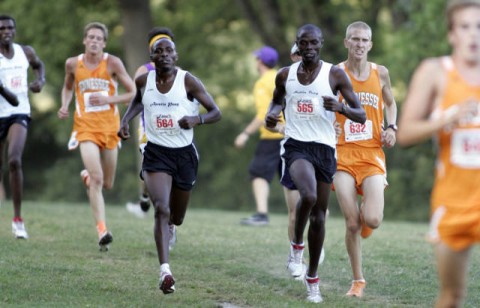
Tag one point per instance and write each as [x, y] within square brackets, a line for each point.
[266, 161]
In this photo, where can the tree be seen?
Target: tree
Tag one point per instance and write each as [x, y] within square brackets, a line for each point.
[215, 40]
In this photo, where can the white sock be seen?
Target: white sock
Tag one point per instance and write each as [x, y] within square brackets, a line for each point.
[165, 267]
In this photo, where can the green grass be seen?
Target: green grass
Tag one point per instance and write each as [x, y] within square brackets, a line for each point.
[216, 262]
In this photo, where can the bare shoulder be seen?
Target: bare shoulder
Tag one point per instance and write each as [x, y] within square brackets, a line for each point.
[189, 77]
[114, 61]
[71, 64]
[28, 50]
[141, 80]
[193, 83]
[336, 71]
[283, 70]
[338, 76]
[432, 65]
[431, 70]
[382, 71]
[282, 73]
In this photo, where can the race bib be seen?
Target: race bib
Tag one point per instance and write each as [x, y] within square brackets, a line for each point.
[465, 148]
[306, 108]
[165, 124]
[357, 131]
[14, 83]
[89, 107]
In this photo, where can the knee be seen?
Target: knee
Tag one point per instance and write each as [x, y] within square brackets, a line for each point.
[374, 222]
[96, 180]
[161, 210]
[353, 226]
[15, 163]
[176, 221]
[309, 199]
[107, 185]
[317, 221]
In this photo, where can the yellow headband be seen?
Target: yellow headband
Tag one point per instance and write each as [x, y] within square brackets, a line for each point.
[157, 37]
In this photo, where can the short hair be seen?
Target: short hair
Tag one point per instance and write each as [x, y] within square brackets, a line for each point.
[8, 17]
[454, 5]
[96, 25]
[310, 27]
[358, 25]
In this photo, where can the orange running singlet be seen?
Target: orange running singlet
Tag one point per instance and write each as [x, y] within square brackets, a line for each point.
[359, 147]
[455, 197]
[88, 118]
[369, 94]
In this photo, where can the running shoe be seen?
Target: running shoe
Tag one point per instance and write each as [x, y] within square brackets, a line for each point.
[167, 282]
[172, 230]
[295, 264]
[135, 209]
[356, 290]
[144, 203]
[257, 219]
[366, 231]
[313, 289]
[18, 229]
[105, 239]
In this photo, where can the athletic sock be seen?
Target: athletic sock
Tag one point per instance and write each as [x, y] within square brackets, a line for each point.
[101, 228]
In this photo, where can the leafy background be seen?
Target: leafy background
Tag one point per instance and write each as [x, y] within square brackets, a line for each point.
[215, 40]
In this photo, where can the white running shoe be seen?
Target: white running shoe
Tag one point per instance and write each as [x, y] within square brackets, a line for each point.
[135, 209]
[18, 229]
[172, 230]
[322, 256]
[313, 289]
[295, 261]
[167, 282]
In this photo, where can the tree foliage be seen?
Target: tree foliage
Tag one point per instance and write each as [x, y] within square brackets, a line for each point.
[215, 40]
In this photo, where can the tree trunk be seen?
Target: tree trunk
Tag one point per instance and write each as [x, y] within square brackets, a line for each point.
[136, 21]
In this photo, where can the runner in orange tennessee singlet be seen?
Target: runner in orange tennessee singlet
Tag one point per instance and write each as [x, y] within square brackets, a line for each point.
[457, 175]
[361, 168]
[96, 123]
[443, 102]
[93, 76]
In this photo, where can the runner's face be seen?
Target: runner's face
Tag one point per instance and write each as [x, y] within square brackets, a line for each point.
[94, 41]
[465, 33]
[309, 43]
[358, 44]
[163, 53]
[7, 31]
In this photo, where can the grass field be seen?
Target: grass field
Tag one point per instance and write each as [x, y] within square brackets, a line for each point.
[216, 262]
